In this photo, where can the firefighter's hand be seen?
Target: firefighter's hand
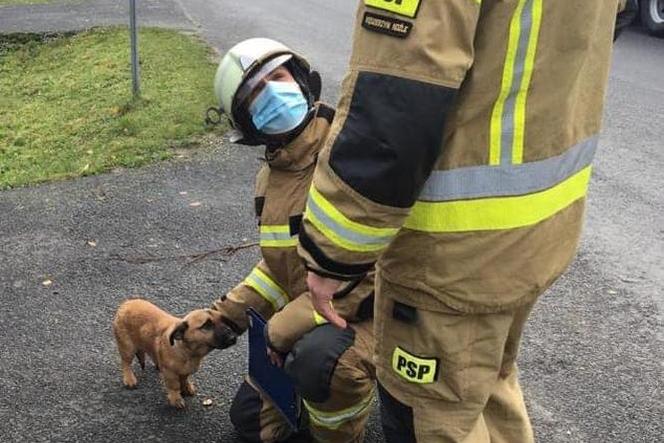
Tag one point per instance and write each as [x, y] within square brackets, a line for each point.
[276, 359]
[322, 291]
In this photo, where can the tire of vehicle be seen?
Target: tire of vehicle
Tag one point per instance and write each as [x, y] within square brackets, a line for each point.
[652, 16]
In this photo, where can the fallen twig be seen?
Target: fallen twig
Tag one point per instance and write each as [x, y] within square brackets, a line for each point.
[192, 258]
[228, 251]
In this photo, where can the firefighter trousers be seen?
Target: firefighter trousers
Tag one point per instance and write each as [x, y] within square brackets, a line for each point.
[448, 376]
[339, 419]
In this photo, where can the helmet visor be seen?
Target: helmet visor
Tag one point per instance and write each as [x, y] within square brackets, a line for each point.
[254, 79]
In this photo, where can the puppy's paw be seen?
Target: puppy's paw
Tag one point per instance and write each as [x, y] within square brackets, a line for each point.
[129, 380]
[176, 400]
[188, 389]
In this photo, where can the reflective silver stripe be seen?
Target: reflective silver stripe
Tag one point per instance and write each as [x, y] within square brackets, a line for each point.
[267, 236]
[506, 180]
[333, 420]
[276, 236]
[348, 235]
[507, 136]
[267, 288]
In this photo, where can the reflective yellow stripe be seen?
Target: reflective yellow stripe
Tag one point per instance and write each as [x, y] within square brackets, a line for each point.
[506, 85]
[520, 111]
[402, 7]
[332, 420]
[508, 117]
[279, 243]
[498, 213]
[276, 236]
[319, 319]
[342, 231]
[267, 288]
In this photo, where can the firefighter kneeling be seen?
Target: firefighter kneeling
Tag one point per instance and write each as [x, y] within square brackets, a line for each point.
[270, 96]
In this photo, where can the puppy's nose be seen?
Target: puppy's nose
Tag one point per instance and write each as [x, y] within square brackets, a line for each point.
[232, 339]
[226, 338]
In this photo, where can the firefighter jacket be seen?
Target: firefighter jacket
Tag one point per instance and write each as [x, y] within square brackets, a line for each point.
[462, 147]
[279, 278]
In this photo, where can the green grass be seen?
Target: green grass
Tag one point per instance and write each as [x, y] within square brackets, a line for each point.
[66, 107]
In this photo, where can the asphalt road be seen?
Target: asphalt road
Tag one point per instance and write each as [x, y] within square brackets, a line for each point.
[592, 360]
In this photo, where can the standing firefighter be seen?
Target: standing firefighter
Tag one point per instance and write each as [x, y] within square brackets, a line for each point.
[270, 96]
[459, 161]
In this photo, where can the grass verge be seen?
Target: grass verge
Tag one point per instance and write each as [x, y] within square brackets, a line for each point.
[67, 109]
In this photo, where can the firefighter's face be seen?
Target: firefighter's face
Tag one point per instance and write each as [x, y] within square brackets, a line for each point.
[279, 74]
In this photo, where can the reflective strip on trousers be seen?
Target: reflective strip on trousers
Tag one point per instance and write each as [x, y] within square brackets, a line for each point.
[508, 118]
[332, 420]
[342, 231]
[267, 288]
[276, 236]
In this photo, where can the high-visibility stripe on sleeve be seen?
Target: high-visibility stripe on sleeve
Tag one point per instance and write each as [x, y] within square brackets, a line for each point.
[342, 231]
[276, 236]
[506, 84]
[529, 65]
[334, 419]
[507, 127]
[484, 181]
[498, 213]
[267, 288]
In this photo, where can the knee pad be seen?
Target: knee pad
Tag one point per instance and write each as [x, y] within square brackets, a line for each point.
[313, 359]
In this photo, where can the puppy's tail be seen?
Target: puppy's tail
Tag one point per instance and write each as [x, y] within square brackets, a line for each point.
[140, 355]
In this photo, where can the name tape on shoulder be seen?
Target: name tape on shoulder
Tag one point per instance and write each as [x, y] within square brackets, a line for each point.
[386, 25]
[414, 369]
[407, 8]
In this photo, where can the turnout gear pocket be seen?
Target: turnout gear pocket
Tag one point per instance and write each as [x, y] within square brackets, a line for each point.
[420, 353]
[432, 351]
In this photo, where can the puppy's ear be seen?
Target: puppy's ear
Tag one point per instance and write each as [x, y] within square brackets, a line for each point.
[178, 332]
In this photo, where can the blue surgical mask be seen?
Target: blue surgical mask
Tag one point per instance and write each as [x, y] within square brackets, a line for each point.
[278, 108]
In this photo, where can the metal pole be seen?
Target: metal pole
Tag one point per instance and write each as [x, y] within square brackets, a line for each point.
[135, 79]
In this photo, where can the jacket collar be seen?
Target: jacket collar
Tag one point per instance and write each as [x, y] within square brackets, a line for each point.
[302, 151]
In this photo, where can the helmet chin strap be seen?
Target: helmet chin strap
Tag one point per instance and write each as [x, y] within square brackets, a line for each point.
[214, 115]
[272, 142]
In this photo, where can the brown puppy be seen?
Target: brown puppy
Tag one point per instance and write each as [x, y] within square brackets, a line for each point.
[175, 345]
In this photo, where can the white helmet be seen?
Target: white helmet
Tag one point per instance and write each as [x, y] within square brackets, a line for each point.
[242, 67]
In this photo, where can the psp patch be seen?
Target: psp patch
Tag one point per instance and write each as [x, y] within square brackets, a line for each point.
[386, 25]
[407, 8]
[414, 369]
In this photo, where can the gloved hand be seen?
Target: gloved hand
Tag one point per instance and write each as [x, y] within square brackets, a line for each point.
[231, 313]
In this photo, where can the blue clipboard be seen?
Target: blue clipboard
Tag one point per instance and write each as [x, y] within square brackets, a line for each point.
[271, 380]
